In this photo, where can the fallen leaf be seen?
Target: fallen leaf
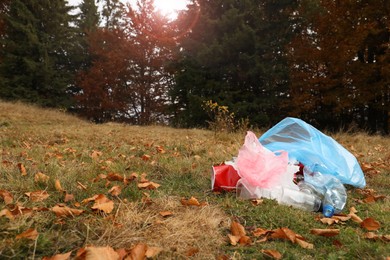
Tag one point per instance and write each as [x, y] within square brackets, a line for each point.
[272, 253]
[245, 240]
[166, 213]
[58, 186]
[103, 203]
[233, 239]
[30, 233]
[258, 232]
[64, 211]
[371, 236]
[153, 251]
[96, 154]
[22, 169]
[192, 251]
[337, 243]
[93, 198]
[302, 243]
[40, 177]
[355, 218]
[100, 253]
[341, 217]
[65, 256]
[192, 202]
[145, 157]
[148, 185]
[7, 196]
[325, 232]
[257, 202]
[114, 177]
[138, 252]
[39, 195]
[237, 229]
[115, 190]
[68, 197]
[352, 210]
[370, 224]
[328, 221]
[7, 213]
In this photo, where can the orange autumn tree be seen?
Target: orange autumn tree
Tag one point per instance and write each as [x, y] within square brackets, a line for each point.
[339, 64]
[128, 81]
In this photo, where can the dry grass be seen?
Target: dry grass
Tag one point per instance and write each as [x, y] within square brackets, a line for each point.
[63, 147]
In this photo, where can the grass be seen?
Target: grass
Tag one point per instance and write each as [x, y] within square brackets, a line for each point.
[76, 153]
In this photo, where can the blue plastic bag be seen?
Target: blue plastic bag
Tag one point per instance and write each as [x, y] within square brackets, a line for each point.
[307, 145]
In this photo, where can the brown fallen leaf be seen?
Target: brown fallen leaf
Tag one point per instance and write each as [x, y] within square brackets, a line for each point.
[39, 195]
[257, 202]
[302, 243]
[272, 253]
[245, 240]
[68, 197]
[370, 224]
[30, 233]
[258, 232]
[100, 253]
[325, 232]
[192, 251]
[58, 186]
[115, 190]
[237, 229]
[40, 177]
[65, 256]
[166, 213]
[7, 213]
[329, 221]
[341, 217]
[103, 203]
[138, 252]
[145, 157]
[6, 196]
[114, 177]
[96, 154]
[152, 252]
[148, 185]
[233, 239]
[22, 169]
[64, 211]
[355, 218]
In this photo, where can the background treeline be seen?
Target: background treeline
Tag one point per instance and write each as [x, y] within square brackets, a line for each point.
[325, 61]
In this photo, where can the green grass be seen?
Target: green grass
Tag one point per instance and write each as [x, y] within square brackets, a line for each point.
[60, 146]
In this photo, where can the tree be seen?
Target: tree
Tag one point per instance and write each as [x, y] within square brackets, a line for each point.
[36, 61]
[235, 55]
[339, 64]
[127, 81]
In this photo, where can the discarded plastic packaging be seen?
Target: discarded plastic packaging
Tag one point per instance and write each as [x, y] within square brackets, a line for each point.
[283, 195]
[307, 145]
[224, 177]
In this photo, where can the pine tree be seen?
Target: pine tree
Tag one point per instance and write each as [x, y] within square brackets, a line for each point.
[36, 61]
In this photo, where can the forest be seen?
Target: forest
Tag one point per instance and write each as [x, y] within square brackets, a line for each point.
[324, 61]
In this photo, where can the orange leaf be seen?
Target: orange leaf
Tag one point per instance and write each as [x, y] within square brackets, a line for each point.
[22, 169]
[100, 253]
[7, 213]
[328, 221]
[245, 240]
[57, 185]
[258, 232]
[7, 196]
[355, 218]
[166, 213]
[64, 211]
[284, 233]
[114, 177]
[40, 177]
[237, 229]
[138, 252]
[39, 195]
[191, 202]
[325, 232]
[302, 243]
[371, 236]
[93, 198]
[341, 217]
[272, 253]
[233, 239]
[149, 185]
[30, 233]
[370, 224]
[153, 251]
[192, 251]
[103, 203]
[115, 191]
[65, 256]
[145, 157]
[95, 154]
[257, 202]
[68, 197]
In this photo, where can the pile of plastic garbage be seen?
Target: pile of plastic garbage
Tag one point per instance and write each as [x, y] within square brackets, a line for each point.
[295, 164]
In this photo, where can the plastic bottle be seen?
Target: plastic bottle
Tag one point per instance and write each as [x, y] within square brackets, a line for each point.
[282, 195]
[334, 193]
